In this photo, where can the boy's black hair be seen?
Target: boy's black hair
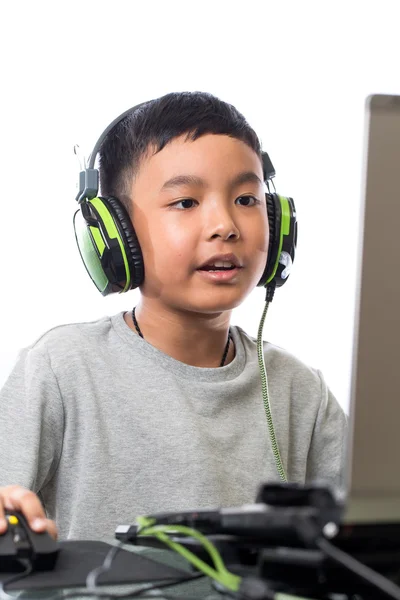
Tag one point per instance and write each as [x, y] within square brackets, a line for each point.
[156, 123]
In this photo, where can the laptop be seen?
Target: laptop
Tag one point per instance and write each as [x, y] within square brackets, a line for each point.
[373, 473]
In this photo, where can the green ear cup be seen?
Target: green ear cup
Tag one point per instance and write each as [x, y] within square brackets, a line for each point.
[108, 245]
[282, 240]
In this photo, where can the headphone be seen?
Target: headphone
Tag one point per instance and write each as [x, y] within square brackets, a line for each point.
[110, 249]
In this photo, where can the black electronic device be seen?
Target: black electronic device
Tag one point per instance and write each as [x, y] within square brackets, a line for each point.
[290, 541]
[20, 543]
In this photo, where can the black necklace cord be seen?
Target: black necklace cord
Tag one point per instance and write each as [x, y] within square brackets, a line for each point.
[225, 354]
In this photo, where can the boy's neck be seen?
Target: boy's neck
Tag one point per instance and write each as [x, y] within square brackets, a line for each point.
[196, 341]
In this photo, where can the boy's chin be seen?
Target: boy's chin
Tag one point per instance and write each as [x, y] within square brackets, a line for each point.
[215, 303]
[197, 300]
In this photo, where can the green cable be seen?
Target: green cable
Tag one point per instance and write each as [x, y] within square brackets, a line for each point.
[220, 573]
[265, 395]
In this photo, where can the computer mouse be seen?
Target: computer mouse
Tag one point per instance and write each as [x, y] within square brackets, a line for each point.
[20, 542]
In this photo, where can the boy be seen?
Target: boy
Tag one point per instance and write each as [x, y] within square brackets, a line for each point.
[160, 408]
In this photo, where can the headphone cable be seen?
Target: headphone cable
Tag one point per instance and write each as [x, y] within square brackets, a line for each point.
[264, 385]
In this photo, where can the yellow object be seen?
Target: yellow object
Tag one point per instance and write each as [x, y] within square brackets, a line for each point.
[12, 519]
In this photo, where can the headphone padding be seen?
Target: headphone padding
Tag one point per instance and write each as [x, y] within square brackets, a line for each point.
[273, 211]
[134, 252]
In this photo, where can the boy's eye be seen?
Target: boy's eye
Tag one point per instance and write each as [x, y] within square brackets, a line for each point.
[247, 200]
[185, 203]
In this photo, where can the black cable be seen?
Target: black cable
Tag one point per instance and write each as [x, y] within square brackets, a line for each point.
[4, 584]
[365, 573]
[133, 593]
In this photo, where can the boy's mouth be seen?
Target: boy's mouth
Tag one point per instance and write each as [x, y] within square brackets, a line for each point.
[221, 262]
[222, 267]
[218, 266]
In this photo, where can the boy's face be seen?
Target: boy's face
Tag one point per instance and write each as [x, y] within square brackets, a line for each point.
[192, 202]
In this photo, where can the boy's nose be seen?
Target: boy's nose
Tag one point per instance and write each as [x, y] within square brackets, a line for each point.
[221, 224]
[226, 234]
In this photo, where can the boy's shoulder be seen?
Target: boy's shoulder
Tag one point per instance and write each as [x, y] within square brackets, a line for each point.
[279, 360]
[71, 338]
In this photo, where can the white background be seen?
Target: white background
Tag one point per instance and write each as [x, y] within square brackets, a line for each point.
[299, 71]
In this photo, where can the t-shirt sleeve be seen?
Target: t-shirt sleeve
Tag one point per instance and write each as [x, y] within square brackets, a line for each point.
[327, 453]
[31, 422]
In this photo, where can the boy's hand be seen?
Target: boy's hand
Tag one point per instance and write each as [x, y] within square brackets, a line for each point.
[15, 497]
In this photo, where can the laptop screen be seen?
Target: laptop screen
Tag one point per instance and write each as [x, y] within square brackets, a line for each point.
[373, 477]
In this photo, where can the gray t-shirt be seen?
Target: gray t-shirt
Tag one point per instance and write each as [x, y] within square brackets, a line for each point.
[106, 427]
